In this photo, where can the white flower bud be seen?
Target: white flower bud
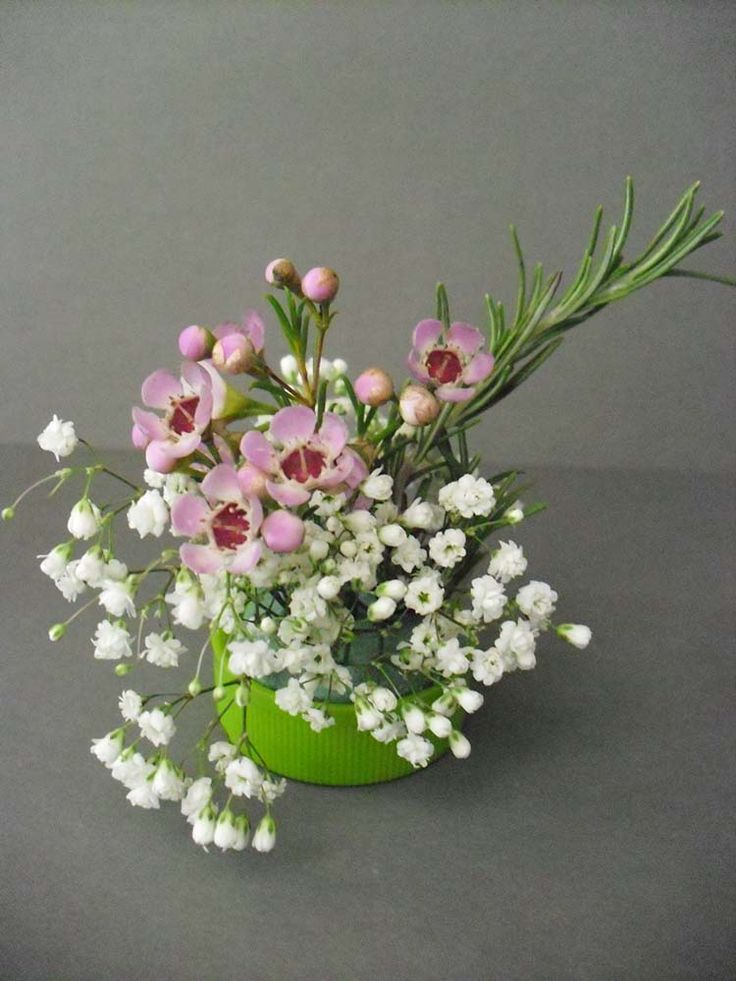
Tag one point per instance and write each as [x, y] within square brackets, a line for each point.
[459, 745]
[318, 550]
[378, 486]
[392, 535]
[265, 835]
[395, 589]
[515, 514]
[468, 699]
[268, 626]
[84, 520]
[440, 726]
[384, 699]
[381, 609]
[203, 828]
[445, 704]
[367, 716]
[576, 634]
[414, 719]
[349, 549]
[329, 587]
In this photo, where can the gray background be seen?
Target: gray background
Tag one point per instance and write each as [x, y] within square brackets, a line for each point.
[157, 155]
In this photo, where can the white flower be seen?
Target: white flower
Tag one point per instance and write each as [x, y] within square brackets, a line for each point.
[111, 641]
[92, 568]
[230, 832]
[130, 704]
[440, 725]
[168, 783]
[395, 589]
[384, 699]
[251, 657]
[221, 753]
[203, 826]
[176, 484]
[451, 658]
[487, 666]
[576, 634]
[317, 719]
[84, 520]
[58, 438]
[143, 794]
[447, 548]
[537, 600]
[409, 555]
[70, 585]
[469, 497]
[367, 716]
[265, 835]
[421, 514]
[243, 777]
[149, 514]
[507, 562]
[130, 769]
[197, 796]
[156, 726]
[329, 587]
[391, 535]
[466, 698]
[293, 698]
[54, 564]
[271, 789]
[109, 747]
[154, 479]
[381, 609]
[163, 651]
[488, 598]
[459, 745]
[319, 549]
[516, 642]
[388, 732]
[117, 597]
[187, 604]
[425, 594]
[415, 749]
[115, 570]
[378, 486]
[414, 719]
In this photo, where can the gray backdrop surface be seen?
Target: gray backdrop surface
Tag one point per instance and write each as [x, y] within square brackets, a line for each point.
[156, 155]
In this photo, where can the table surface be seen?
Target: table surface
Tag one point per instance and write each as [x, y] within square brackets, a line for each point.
[589, 835]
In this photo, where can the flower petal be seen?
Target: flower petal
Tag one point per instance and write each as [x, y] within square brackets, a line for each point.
[448, 393]
[294, 422]
[184, 445]
[201, 558]
[152, 425]
[159, 388]
[187, 514]
[358, 470]
[287, 494]
[425, 333]
[159, 456]
[416, 367]
[255, 329]
[257, 450]
[246, 557]
[334, 432]
[465, 337]
[479, 368]
[221, 484]
[252, 481]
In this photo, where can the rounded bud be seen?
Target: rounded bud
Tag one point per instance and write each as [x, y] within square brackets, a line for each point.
[440, 726]
[392, 535]
[320, 285]
[282, 272]
[218, 693]
[374, 387]
[414, 719]
[381, 609]
[8, 514]
[395, 589]
[242, 695]
[122, 669]
[57, 631]
[459, 745]
[234, 354]
[329, 587]
[417, 405]
[319, 550]
[194, 687]
[268, 626]
[283, 531]
[196, 343]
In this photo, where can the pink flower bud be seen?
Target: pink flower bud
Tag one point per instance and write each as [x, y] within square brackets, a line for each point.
[234, 354]
[195, 343]
[283, 531]
[320, 285]
[417, 406]
[139, 437]
[374, 387]
[282, 272]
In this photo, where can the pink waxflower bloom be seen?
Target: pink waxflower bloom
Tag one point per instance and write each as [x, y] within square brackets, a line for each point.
[226, 517]
[451, 361]
[297, 459]
[187, 403]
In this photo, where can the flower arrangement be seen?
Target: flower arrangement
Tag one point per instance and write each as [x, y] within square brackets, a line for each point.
[338, 541]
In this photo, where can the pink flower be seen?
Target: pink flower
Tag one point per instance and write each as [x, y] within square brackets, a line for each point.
[298, 459]
[228, 519]
[187, 403]
[453, 361]
[252, 327]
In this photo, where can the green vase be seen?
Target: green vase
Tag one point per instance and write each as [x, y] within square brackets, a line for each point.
[339, 756]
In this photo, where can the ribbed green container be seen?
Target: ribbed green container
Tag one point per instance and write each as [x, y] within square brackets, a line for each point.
[340, 756]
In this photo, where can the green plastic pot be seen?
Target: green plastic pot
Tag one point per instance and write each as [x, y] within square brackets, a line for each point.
[340, 756]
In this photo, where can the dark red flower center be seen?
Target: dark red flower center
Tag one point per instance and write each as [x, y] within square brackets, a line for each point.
[303, 463]
[181, 419]
[444, 366]
[230, 526]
